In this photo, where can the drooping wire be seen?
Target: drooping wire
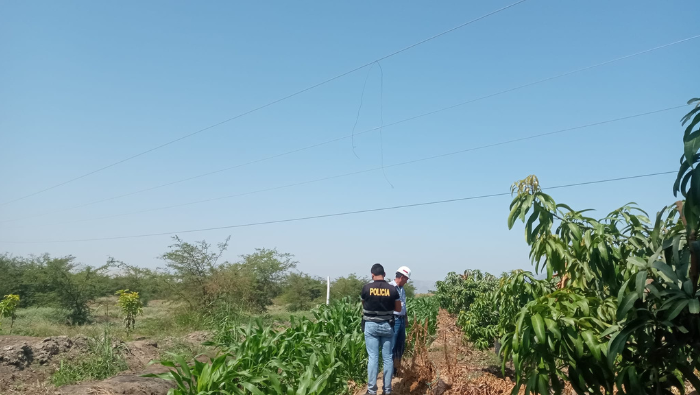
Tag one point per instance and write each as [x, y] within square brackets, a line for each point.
[425, 114]
[357, 117]
[381, 125]
[271, 103]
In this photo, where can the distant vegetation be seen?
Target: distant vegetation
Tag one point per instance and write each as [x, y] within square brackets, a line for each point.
[193, 276]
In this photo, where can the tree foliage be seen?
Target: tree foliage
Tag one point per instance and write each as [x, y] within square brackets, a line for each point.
[192, 265]
[488, 306]
[627, 315]
[8, 308]
[303, 292]
[619, 308]
[458, 291]
[348, 287]
[269, 269]
[131, 306]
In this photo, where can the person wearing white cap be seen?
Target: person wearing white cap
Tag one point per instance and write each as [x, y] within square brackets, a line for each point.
[403, 274]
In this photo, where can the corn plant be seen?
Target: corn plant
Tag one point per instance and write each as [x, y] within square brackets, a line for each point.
[131, 306]
[316, 356]
[8, 308]
[421, 309]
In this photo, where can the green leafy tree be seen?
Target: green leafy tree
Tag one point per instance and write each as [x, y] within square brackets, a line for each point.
[480, 321]
[56, 282]
[252, 283]
[348, 287]
[192, 265]
[11, 281]
[626, 316]
[269, 269]
[302, 292]
[150, 284]
[73, 286]
[131, 306]
[562, 334]
[458, 291]
[8, 308]
[515, 291]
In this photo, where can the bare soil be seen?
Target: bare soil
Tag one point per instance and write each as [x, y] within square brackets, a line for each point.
[27, 363]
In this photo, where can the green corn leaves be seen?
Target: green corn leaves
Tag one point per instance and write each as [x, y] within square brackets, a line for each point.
[310, 357]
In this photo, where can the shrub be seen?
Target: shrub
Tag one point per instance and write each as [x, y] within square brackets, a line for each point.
[8, 308]
[131, 306]
[103, 360]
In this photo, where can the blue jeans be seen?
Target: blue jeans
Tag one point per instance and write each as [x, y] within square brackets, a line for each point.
[378, 336]
[399, 338]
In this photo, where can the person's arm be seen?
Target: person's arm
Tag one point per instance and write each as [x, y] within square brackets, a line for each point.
[405, 303]
[397, 300]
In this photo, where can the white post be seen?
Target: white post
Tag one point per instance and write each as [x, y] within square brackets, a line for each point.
[328, 289]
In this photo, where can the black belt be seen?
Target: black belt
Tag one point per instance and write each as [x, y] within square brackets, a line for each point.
[401, 317]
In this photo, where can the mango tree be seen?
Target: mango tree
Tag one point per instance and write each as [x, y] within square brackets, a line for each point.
[131, 306]
[8, 308]
[626, 314]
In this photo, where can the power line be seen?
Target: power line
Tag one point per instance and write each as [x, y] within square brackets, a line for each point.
[353, 134]
[451, 153]
[340, 214]
[265, 105]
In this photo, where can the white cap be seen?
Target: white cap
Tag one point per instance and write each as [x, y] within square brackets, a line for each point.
[405, 271]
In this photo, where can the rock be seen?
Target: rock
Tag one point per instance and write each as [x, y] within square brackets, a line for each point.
[22, 354]
[47, 348]
[18, 355]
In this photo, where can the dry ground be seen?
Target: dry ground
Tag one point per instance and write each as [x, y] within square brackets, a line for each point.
[26, 365]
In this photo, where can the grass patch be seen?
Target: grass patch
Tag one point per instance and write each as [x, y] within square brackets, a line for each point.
[160, 319]
[102, 361]
[50, 321]
[181, 348]
[279, 314]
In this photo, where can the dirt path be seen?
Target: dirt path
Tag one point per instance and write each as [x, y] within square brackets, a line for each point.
[448, 366]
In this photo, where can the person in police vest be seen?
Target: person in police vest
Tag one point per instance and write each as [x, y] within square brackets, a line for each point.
[379, 302]
[403, 274]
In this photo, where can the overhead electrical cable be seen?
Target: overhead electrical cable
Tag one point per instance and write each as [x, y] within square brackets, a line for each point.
[339, 214]
[443, 155]
[316, 145]
[271, 103]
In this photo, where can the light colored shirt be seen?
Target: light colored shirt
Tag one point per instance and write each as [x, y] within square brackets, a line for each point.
[402, 297]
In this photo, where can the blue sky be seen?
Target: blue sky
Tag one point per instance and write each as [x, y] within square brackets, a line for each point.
[85, 84]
